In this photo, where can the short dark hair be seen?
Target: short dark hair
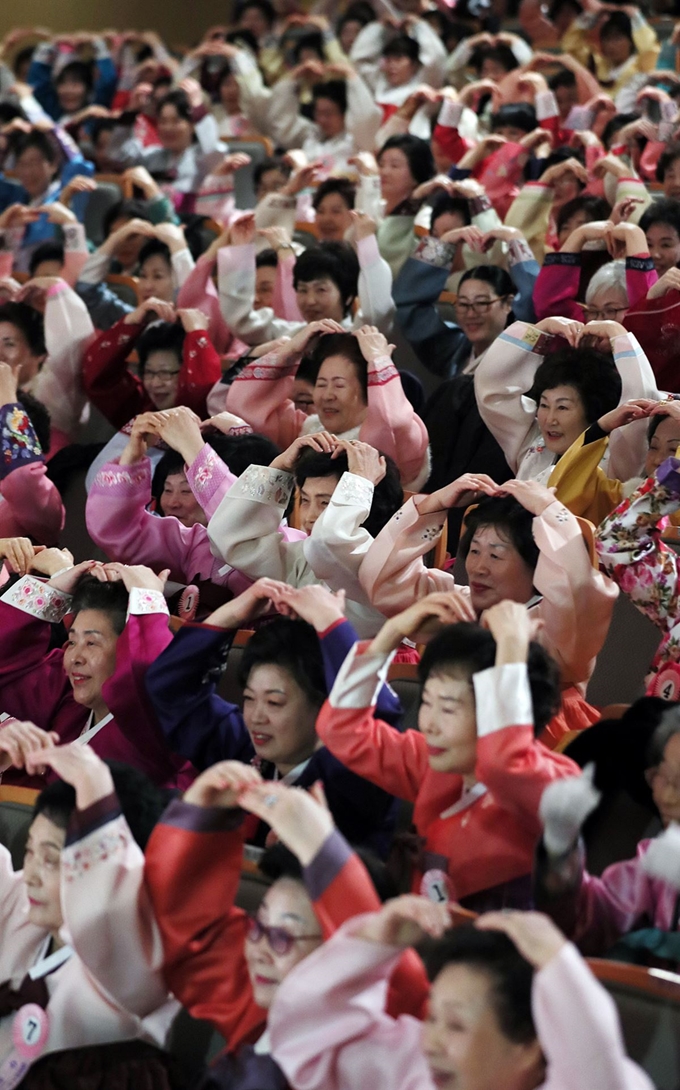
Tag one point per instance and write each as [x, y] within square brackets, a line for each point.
[130, 209]
[266, 165]
[666, 159]
[312, 39]
[293, 646]
[39, 415]
[470, 648]
[507, 514]
[236, 451]
[560, 155]
[388, 495]
[46, 251]
[615, 123]
[336, 261]
[521, 115]
[666, 210]
[109, 598]
[444, 205]
[335, 90]
[557, 5]
[77, 70]
[403, 46]
[141, 801]
[498, 278]
[340, 344]
[29, 322]
[160, 337]
[496, 956]
[265, 8]
[418, 153]
[154, 248]
[24, 141]
[618, 24]
[596, 208]
[180, 100]
[266, 259]
[342, 186]
[592, 373]
[667, 728]
[563, 77]
[502, 54]
[278, 862]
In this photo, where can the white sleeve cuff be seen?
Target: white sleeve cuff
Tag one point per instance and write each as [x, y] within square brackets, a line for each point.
[503, 698]
[39, 600]
[450, 114]
[359, 679]
[354, 491]
[263, 485]
[143, 601]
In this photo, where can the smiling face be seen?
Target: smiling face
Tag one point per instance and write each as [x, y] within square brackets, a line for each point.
[42, 872]
[496, 570]
[317, 299]
[399, 70]
[178, 500]
[463, 1043]
[663, 243]
[315, 495]
[265, 283]
[332, 218]
[90, 656]
[666, 782]
[72, 94]
[34, 171]
[287, 906]
[561, 417]
[174, 131]
[671, 180]
[279, 717]
[155, 280]
[339, 398]
[396, 181]
[16, 351]
[448, 721]
[481, 328]
[161, 378]
[663, 444]
[329, 117]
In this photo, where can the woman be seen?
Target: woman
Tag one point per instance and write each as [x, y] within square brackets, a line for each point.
[524, 546]
[639, 893]
[537, 401]
[104, 986]
[473, 770]
[630, 549]
[285, 672]
[357, 395]
[508, 995]
[92, 689]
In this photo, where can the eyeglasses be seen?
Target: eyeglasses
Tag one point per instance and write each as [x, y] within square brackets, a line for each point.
[479, 306]
[164, 376]
[660, 773]
[280, 940]
[605, 314]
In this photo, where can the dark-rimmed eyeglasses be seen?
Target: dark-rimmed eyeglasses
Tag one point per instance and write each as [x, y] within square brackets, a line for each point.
[280, 940]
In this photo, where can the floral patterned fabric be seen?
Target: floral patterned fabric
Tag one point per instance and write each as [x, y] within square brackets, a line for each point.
[630, 548]
[19, 443]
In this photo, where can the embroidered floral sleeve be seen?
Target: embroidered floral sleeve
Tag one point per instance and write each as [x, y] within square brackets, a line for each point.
[264, 485]
[209, 479]
[143, 601]
[39, 600]
[19, 444]
[630, 547]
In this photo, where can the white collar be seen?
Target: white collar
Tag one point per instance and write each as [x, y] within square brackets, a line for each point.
[46, 965]
[294, 775]
[469, 796]
[93, 728]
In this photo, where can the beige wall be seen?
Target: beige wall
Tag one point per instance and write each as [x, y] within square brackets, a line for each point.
[178, 20]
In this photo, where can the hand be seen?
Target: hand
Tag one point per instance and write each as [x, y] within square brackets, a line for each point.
[667, 408]
[300, 819]
[535, 139]
[565, 805]
[423, 620]
[149, 311]
[670, 281]
[66, 581]
[626, 413]
[662, 858]
[236, 161]
[172, 235]
[136, 575]
[406, 921]
[486, 147]
[611, 164]
[363, 225]
[78, 765]
[20, 739]
[556, 173]
[19, 552]
[50, 561]
[459, 493]
[18, 215]
[439, 182]
[586, 139]
[302, 177]
[132, 227]
[251, 604]
[321, 441]
[471, 94]
[140, 97]
[373, 344]
[595, 231]
[140, 178]
[57, 213]
[501, 234]
[314, 603]
[34, 292]
[365, 163]
[362, 459]
[604, 330]
[222, 785]
[9, 289]
[8, 384]
[533, 83]
[623, 209]
[145, 433]
[298, 344]
[535, 935]
[192, 90]
[193, 320]
[80, 184]
[562, 327]
[180, 429]
[533, 496]
[243, 230]
[471, 236]
[277, 237]
[626, 239]
[224, 422]
[512, 628]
